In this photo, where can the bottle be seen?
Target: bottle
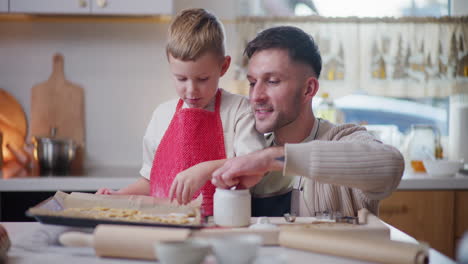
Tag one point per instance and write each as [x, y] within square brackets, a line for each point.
[421, 144]
[439, 151]
[328, 110]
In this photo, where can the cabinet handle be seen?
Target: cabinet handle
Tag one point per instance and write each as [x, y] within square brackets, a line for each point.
[101, 3]
[83, 3]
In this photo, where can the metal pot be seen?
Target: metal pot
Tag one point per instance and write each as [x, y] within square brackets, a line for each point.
[54, 155]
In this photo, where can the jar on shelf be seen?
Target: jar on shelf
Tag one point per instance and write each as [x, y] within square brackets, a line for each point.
[327, 110]
[423, 142]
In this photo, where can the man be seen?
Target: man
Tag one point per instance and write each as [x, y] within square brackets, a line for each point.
[332, 168]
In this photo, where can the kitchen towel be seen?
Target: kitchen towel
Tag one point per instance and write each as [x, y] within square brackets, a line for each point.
[379, 250]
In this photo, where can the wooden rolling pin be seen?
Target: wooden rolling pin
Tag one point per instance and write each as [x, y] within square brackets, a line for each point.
[138, 242]
[365, 248]
[124, 241]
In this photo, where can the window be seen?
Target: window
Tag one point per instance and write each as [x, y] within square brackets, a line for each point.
[402, 112]
[397, 112]
[345, 8]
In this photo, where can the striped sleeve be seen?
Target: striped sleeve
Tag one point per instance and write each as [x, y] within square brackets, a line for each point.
[348, 156]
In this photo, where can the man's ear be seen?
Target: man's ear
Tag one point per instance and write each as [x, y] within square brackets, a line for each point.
[312, 86]
[225, 66]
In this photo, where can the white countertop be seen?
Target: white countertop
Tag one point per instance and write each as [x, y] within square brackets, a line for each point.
[94, 178]
[52, 253]
[118, 177]
[422, 181]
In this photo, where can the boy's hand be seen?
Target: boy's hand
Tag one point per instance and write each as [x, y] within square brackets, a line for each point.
[189, 181]
[106, 191]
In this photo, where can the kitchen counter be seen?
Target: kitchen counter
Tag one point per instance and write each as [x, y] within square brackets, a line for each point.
[93, 179]
[422, 181]
[44, 252]
[118, 177]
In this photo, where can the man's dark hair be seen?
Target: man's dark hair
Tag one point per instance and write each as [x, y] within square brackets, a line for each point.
[300, 45]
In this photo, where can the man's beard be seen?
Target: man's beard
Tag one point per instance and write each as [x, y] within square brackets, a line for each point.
[283, 118]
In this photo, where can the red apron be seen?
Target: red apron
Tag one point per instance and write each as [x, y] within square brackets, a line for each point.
[193, 136]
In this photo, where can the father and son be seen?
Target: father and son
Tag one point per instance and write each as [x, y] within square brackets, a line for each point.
[270, 142]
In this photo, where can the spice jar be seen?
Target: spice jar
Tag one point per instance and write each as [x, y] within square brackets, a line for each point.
[232, 207]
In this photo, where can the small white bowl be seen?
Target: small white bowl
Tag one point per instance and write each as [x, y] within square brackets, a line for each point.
[442, 168]
[236, 249]
[191, 251]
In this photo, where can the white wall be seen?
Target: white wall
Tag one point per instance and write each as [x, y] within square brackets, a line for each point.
[121, 66]
[459, 8]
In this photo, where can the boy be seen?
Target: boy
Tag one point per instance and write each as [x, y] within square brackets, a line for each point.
[206, 123]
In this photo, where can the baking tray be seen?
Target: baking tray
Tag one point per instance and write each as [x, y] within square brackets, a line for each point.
[52, 204]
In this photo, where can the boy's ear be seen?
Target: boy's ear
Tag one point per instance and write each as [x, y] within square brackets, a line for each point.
[225, 66]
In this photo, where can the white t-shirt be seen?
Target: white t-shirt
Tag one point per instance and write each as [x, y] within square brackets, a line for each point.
[240, 135]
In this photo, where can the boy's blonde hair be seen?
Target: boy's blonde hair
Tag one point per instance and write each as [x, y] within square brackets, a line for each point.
[193, 33]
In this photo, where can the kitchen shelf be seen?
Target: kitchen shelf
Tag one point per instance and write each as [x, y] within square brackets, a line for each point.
[158, 19]
[84, 18]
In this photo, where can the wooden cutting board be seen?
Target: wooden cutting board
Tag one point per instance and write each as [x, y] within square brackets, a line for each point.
[58, 103]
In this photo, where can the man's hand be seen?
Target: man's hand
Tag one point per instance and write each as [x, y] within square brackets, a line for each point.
[248, 170]
[23, 163]
[189, 181]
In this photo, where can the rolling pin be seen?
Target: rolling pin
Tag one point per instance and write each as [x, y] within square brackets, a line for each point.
[380, 250]
[137, 242]
[120, 241]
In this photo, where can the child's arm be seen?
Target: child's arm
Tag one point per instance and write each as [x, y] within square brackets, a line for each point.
[187, 182]
[140, 187]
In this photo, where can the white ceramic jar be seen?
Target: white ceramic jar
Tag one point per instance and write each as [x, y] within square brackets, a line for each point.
[232, 207]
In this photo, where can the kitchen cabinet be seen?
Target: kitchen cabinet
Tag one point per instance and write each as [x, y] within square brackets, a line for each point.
[3, 6]
[18, 194]
[13, 205]
[134, 7]
[437, 217]
[461, 215]
[50, 6]
[95, 7]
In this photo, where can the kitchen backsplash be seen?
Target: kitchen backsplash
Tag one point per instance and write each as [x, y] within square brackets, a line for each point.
[121, 66]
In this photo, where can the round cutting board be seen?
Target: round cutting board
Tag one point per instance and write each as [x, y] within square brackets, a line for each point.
[13, 120]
